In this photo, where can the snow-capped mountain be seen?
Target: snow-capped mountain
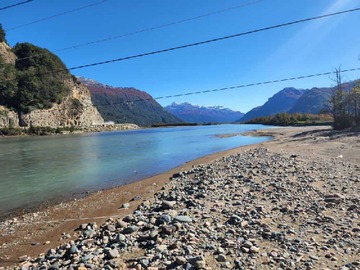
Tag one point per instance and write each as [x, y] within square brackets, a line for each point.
[203, 114]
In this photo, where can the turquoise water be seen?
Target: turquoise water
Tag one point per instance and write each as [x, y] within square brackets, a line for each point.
[36, 169]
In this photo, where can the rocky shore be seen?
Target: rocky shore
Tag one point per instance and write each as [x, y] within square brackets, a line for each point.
[257, 208]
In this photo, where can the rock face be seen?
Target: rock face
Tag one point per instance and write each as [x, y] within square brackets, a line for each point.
[6, 54]
[76, 110]
[8, 118]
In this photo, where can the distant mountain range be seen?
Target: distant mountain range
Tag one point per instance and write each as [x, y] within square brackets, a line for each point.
[127, 105]
[312, 101]
[201, 114]
[282, 101]
[293, 100]
[130, 105]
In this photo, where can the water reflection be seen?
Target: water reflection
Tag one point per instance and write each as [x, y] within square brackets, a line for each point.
[34, 169]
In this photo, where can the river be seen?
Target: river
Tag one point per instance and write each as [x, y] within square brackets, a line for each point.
[34, 170]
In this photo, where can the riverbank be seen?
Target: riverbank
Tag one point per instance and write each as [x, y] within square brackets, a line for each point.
[46, 131]
[307, 161]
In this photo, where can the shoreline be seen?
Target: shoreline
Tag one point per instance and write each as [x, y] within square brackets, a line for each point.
[43, 205]
[34, 230]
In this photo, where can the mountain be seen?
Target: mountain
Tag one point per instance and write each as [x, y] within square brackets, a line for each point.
[282, 101]
[127, 105]
[200, 114]
[312, 101]
[317, 99]
[30, 95]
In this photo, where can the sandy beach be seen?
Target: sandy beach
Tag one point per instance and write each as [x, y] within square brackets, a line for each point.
[314, 224]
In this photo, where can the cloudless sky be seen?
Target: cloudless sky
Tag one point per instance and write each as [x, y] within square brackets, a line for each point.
[310, 47]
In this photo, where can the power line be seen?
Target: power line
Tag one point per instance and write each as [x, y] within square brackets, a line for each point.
[56, 15]
[213, 40]
[17, 4]
[158, 27]
[146, 29]
[237, 86]
[199, 43]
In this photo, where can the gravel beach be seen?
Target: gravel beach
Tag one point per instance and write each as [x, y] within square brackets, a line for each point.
[290, 203]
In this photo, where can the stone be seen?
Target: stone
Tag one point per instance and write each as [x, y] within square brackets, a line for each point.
[180, 260]
[130, 229]
[168, 204]
[112, 253]
[183, 219]
[221, 258]
[254, 249]
[247, 244]
[125, 205]
[74, 249]
[120, 237]
[165, 218]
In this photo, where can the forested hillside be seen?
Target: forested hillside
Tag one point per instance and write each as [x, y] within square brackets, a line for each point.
[127, 105]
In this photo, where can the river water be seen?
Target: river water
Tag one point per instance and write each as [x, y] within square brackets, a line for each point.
[37, 169]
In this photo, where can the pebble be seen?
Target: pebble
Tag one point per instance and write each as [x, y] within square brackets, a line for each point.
[253, 210]
[125, 205]
[183, 219]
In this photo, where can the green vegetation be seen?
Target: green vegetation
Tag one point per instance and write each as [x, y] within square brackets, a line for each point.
[345, 105]
[38, 131]
[2, 34]
[116, 105]
[29, 85]
[11, 131]
[285, 119]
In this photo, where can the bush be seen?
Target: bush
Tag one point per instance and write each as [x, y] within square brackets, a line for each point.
[285, 119]
[10, 132]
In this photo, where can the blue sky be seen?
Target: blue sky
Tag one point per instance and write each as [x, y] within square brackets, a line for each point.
[311, 47]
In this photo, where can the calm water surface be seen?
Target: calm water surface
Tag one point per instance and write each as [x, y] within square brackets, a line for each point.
[36, 169]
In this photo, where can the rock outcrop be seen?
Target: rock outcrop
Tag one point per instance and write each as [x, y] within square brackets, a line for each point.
[76, 110]
[6, 54]
[8, 118]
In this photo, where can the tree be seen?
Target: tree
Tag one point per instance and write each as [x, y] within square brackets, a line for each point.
[2, 34]
[37, 87]
[345, 104]
[355, 103]
[338, 104]
[8, 85]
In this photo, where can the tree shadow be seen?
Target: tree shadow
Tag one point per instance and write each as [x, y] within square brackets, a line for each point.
[330, 133]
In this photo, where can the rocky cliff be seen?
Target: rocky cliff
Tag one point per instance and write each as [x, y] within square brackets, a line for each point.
[75, 109]
[6, 54]
[8, 118]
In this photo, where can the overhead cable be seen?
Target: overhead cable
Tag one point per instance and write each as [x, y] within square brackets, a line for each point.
[56, 15]
[145, 30]
[237, 86]
[199, 43]
[15, 5]
[213, 40]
